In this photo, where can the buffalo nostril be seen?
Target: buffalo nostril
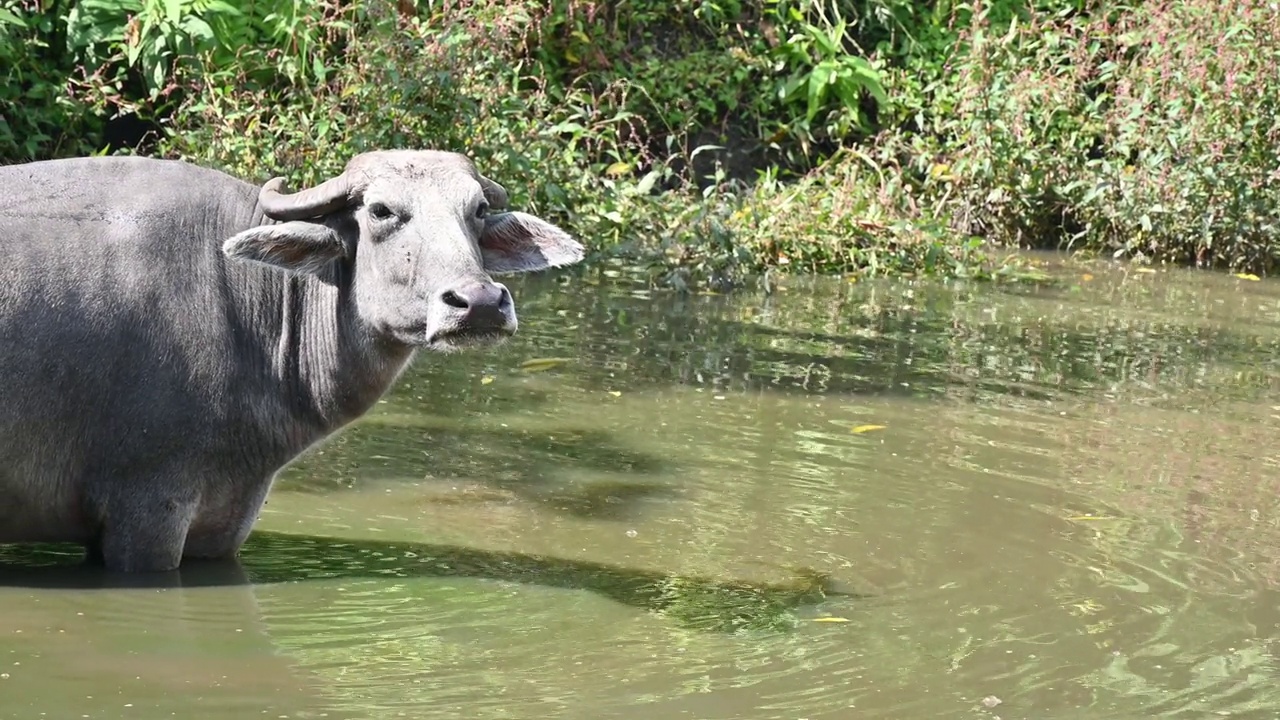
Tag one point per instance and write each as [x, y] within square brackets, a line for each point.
[453, 299]
[478, 305]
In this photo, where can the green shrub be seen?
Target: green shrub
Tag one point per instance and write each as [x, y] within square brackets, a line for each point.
[71, 67]
[1190, 171]
[704, 140]
[575, 135]
[1144, 131]
[39, 114]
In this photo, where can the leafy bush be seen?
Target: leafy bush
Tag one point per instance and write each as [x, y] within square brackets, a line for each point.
[575, 134]
[1191, 170]
[707, 139]
[38, 115]
[1145, 131]
[71, 68]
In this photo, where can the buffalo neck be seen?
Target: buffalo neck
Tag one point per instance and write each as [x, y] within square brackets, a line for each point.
[340, 367]
[322, 367]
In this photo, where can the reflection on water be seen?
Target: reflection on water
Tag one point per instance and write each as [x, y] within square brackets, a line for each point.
[1062, 502]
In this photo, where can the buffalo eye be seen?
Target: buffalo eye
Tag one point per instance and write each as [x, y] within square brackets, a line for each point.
[482, 209]
[379, 211]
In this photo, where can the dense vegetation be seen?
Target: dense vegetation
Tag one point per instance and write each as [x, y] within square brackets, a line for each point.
[710, 138]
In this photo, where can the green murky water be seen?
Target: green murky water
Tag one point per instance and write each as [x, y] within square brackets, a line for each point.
[1070, 510]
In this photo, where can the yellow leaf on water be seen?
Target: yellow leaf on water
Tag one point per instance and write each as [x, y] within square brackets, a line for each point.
[540, 364]
[831, 619]
[866, 428]
[616, 393]
[1248, 276]
[486, 379]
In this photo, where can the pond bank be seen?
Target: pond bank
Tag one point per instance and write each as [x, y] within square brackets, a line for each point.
[710, 140]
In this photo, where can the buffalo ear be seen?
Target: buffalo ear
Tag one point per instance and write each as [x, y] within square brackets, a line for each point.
[516, 242]
[296, 246]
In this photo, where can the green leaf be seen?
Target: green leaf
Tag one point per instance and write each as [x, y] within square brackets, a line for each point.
[132, 52]
[646, 183]
[868, 78]
[225, 8]
[9, 18]
[847, 90]
[824, 42]
[565, 127]
[135, 49]
[818, 80]
[791, 88]
[197, 28]
[158, 75]
[173, 11]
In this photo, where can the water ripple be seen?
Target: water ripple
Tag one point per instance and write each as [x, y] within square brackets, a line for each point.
[1051, 508]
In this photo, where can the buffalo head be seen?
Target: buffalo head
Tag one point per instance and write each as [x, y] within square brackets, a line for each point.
[421, 233]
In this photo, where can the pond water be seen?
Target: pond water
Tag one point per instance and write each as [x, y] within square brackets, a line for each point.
[838, 500]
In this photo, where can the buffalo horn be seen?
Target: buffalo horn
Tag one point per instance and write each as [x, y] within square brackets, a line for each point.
[330, 195]
[494, 193]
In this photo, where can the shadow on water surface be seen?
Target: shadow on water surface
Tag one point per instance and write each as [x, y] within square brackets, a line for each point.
[272, 557]
[515, 463]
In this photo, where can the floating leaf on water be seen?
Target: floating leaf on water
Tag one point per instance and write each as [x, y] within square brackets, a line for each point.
[486, 379]
[831, 619]
[866, 428]
[540, 364]
[616, 393]
[1248, 276]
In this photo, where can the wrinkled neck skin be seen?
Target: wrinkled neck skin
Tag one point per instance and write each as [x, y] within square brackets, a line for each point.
[324, 366]
[334, 365]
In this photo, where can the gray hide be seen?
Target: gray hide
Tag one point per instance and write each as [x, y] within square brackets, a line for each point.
[170, 336]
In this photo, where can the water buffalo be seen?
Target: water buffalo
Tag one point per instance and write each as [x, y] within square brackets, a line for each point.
[171, 336]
